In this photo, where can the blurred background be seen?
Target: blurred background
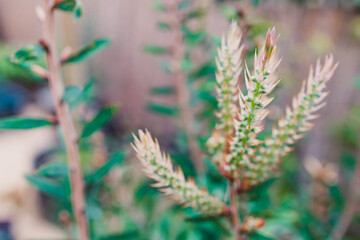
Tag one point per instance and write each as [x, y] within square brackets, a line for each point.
[132, 71]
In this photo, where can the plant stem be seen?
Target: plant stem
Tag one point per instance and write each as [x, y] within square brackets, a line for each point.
[234, 210]
[182, 93]
[350, 206]
[64, 117]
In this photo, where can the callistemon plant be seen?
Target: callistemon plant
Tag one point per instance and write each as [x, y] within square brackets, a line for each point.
[242, 159]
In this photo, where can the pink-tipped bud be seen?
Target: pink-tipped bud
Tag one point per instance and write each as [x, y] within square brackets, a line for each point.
[270, 43]
[270, 37]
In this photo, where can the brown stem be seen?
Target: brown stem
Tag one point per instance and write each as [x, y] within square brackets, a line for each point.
[182, 93]
[350, 206]
[234, 210]
[63, 114]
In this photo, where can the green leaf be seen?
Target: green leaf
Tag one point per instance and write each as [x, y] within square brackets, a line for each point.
[229, 12]
[86, 95]
[206, 96]
[161, 109]
[163, 90]
[78, 10]
[28, 53]
[66, 5]
[264, 186]
[205, 70]
[71, 94]
[93, 212]
[186, 64]
[97, 175]
[24, 69]
[163, 26]
[357, 82]
[99, 121]
[262, 236]
[184, 4]
[23, 123]
[159, 6]
[123, 236]
[195, 14]
[88, 51]
[74, 6]
[193, 38]
[255, 2]
[203, 217]
[48, 186]
[54, 169]
[155, 49]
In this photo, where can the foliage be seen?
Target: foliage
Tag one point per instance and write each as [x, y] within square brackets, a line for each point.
[23, 123]
[88, 51]
[240, 157]
[56, 177]
[17, 72]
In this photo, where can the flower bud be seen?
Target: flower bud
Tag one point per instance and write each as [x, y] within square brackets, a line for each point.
[252, 224]
[270, 43]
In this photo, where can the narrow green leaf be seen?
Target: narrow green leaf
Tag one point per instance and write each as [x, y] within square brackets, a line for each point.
[25, 68]
[89, 51]
[163, 26]
[255, 2]
[161, 109]
[206, 96]
[193, 39]
[71, 94]
[357, 82]
[159, 6]
[205, 70]
[54, 169]
[99, 121]
[163, 90]
[98, 174]
[203, 217]
[155, 49]
[74, 6]
[86, 95]
[66, 5]
[184, 4]
[262, 236]
[28, 53]
[262, 187]
[23, 123]
[78, 10]
[48, 186]
[196, 14]
[186, 64]
[123, 236]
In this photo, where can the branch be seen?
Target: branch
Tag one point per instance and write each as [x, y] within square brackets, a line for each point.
[182, 94]
[65, 121]
[234, 210]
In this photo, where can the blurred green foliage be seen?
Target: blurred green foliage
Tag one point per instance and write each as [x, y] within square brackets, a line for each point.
[10, 71]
